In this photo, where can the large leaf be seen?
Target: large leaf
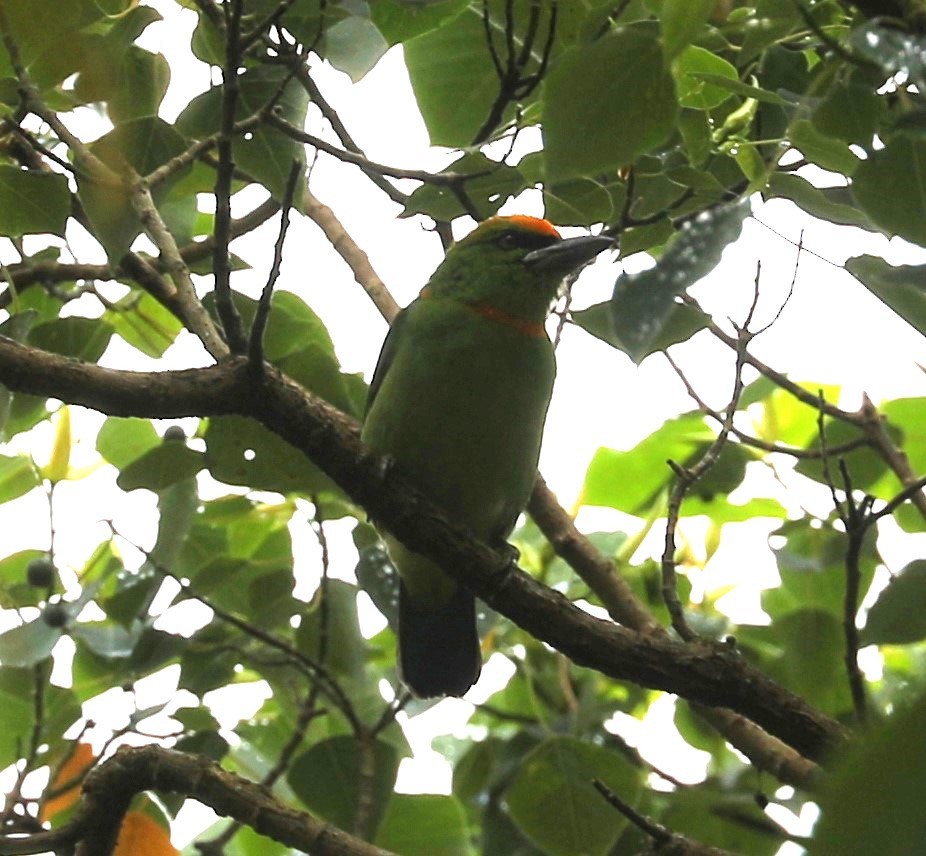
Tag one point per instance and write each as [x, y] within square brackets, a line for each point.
[241, 451]
[331, 620]
[144, 323]
[898, 617]
[812, 567]
[28, 643]
[833, 204]
[33, 202]
[643, 302]
[873, 803]
[130, 80]
[400, 21]
[18, 475]
[266, 153]
[423, 825]
[902, 287]
[123, 440]
[690, 69]
[554, 803]
[330, 777]
[138, 146]
[353, 45]
[890, 187]
[681, 19]
[615, 96]
[491, 188]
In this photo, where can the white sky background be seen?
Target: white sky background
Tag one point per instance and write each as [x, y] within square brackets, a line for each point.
[832, 331]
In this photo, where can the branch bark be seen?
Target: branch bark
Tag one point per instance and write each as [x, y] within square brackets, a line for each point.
[707, 674]
[110, 787]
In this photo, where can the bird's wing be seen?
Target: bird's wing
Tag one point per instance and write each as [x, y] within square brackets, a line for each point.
[386, 355]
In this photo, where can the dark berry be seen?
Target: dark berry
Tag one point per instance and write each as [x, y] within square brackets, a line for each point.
[40, 573]
[55, 615]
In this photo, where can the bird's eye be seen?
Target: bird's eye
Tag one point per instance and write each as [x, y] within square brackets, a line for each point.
[507, 241]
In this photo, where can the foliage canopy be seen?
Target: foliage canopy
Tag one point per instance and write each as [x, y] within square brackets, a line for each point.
[660, 121]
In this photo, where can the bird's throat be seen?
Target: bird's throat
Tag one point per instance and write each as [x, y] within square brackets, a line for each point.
[534, 329]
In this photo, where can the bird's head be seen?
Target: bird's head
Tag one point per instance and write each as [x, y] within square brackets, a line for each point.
[515, 264]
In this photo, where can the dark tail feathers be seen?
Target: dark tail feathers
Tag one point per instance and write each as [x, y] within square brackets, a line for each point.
[439, 652]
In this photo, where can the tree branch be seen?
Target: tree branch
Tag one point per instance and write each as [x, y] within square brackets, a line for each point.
[708, 675]
[110, 787]
[349, 250]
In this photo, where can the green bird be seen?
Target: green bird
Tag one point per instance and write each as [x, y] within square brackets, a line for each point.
[458, 401]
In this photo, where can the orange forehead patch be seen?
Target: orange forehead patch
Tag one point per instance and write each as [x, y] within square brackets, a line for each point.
[522, 221]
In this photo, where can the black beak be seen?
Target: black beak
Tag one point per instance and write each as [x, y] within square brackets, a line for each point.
[565, 256]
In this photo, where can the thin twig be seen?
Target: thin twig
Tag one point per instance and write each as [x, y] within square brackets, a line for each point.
[224, 305]
[262, 314]
[686, 476]
[195, 316]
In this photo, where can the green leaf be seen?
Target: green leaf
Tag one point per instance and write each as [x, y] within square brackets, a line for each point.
[882, 777]
[82, 338]
[333, 623]
[828, 152]
[327, 779]
[353, 45]
[494, 185]
[108, 640]
[629, 481]
[689, 69]
[144, 323]
[266, 153]
[890, 187]
[123, 440]
[615, 96]
[811, 564]
[866, 466]
[17, 328]
[736, 86]
[902, 287]
[160, 467]
[399, 20]
[851, 111]
[130, 80]
[424, 824]
[808, 648]
[728, 820]
[553, 802]
[770, 22]
[18, 475]
[833, 204]
[680, 325]
[680, 21]
[453, 74]
[136, 146]
[33, 202]
[898, 617]
[28, 643]
[241, 451]
[643, 302]
[582, 201]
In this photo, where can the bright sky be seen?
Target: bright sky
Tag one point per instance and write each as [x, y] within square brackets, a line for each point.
[831, 331]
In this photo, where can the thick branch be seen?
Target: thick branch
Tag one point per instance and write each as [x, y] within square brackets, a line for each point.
[598, 572]
[706, 674]
[109, 788]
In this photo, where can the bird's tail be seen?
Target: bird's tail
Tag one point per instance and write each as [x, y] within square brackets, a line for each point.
[439, 652]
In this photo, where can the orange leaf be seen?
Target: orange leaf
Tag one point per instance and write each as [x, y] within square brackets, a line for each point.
[81, 758]
[141, 835]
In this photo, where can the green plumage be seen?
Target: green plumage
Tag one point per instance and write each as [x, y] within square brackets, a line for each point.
[458, 402]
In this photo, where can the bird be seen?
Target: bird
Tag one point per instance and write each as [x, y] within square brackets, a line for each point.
[457, 404]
